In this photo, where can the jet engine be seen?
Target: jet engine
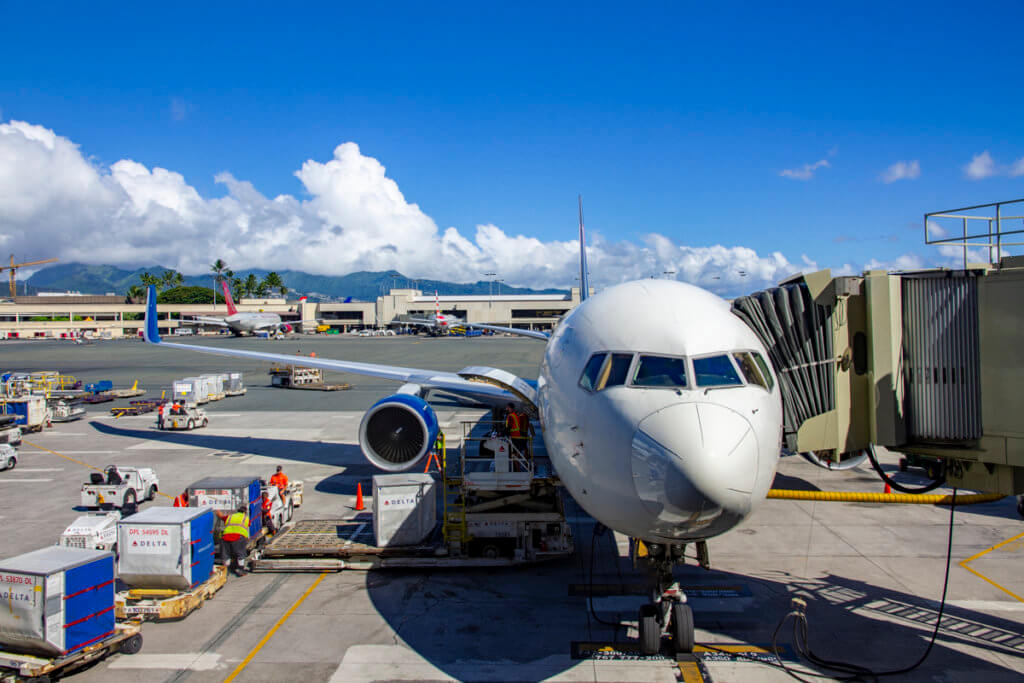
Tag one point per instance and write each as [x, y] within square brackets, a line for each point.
[287, 329]
[398, 431]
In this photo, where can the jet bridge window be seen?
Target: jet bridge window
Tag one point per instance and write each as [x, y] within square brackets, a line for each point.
[715, 371]
[750, 370]
[588, 380]
[659, 371]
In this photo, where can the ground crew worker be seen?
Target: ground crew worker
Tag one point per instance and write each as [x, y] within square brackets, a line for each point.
[235, 539]
[515, 429]
[280, 480]
[160, 416]
[181, 500]
[268, 521]
[527, 430]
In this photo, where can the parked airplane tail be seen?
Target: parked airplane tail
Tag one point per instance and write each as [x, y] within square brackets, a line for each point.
[584, 275]
[227, 297]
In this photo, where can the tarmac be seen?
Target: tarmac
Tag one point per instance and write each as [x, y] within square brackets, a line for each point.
[872, 574]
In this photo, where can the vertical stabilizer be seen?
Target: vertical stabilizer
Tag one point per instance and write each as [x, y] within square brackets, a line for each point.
[584, 274]
[227, 297]
[437, 308]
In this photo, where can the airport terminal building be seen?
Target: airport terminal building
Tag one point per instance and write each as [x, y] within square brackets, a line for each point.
[111, 316]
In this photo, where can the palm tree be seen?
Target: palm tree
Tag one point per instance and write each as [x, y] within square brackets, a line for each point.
[149, 279]
[273, 281]
[252, 284]
[218, 268]
[135, 293]
[237, 287]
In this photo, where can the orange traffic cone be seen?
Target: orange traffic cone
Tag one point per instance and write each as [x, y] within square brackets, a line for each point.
[888, 489]
[359, 497]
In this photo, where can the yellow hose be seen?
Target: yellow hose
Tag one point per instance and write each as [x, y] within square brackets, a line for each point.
[865, 497]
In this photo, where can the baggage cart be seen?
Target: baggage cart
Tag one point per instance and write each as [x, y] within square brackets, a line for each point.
[125, 638]
[160, 604]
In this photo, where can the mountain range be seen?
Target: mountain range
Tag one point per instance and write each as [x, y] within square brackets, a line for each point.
[362, 285]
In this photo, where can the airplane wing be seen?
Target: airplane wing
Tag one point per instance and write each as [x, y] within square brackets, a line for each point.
[532, 334]
[204, 320]
[486, 383]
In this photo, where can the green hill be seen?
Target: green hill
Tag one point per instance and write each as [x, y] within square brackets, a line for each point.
[363, 285]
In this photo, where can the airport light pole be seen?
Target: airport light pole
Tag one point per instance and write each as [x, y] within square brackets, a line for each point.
[490, 288]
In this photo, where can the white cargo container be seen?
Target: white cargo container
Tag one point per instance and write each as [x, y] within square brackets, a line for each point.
[191, 390]
[234, 386]
[56, 600]
[166, 547]
[214, 386]
[404, 508]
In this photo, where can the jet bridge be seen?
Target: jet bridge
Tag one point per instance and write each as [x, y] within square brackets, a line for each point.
[927, 363]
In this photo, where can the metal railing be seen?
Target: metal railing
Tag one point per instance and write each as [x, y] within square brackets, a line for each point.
[995, 224]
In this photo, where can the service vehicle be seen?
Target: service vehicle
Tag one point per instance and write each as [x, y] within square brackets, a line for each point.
[186, 417]
[117, 487]
[8, 457]
[282, 504]
[224, 495]
[10, 432]
[93, 531]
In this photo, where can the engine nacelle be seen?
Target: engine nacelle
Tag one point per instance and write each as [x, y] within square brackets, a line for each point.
[287, 329]
[398, 431]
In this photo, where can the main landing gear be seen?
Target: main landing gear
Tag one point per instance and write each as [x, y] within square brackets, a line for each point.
[668, 612]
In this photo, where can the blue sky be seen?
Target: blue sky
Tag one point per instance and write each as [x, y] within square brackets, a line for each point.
[669, 118]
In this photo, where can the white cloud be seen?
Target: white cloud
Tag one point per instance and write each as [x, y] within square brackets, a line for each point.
[57, 203]
[981, 166]
[1017, 168]
[805, 172]
[902, 170]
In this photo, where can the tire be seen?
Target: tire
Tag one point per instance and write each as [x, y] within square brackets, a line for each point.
[490, 552]
[131, 645]
[130, 498]
[1020, 506]
[682, 627]
[191, 424]
[650, 630]
[151, 494]
[10, 464]
[291, 512]
[903, 465]
[206, 421]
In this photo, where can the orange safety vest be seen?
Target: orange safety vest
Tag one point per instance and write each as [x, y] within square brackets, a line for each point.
[267, 505]
[514, 426]
[181, 501]
[280, 480]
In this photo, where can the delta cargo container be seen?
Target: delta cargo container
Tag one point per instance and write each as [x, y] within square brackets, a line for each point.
[226, 494]
[166, 548]
[56, 600]
[29, 411]
[404, 508]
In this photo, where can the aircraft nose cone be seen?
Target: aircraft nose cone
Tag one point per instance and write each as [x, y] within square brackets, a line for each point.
[694, 461]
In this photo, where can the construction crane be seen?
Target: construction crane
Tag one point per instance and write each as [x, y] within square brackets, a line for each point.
[13, 268]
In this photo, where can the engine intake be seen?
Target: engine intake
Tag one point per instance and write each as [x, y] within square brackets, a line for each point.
[398, 431]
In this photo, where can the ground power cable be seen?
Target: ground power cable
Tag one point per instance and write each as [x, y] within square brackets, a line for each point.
[856, 672]
[873, 459]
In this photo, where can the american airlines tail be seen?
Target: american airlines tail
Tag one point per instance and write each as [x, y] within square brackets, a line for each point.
[227, 297]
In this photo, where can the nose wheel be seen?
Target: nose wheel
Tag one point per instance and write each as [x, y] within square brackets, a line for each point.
[668, 613]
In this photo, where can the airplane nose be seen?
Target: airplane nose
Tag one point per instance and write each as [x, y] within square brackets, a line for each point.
[692, 460]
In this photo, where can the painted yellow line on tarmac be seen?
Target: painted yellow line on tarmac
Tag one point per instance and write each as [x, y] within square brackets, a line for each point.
[985, 578]
[273, 630]
[77, 462]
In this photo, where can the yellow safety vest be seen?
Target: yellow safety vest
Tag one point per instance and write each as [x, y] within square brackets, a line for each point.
[237, 523]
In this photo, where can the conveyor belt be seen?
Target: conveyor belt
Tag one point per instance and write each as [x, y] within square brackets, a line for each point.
[333, 538]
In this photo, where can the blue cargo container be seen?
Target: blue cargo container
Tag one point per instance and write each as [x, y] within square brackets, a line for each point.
[57, 600]
[166, 548]
[226, 494]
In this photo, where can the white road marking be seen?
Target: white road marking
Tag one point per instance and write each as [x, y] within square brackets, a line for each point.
[51, 433]
[22, 470]
[988, 605]
[187, 661]
[63, 452]
[22, 481]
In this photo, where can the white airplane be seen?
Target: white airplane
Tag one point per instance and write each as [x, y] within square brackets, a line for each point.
[667, 429]
[441, 323]
[244, 322]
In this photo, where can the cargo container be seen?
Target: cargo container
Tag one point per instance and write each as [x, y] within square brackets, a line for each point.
[190, 390]
[29, 411]
[226, 494]
[234, 386]
[214, 386]
[404, 508]
[166, 547]
[56, 600]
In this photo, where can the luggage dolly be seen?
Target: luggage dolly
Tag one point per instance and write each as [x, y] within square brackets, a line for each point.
[126, 639]
[162, 604]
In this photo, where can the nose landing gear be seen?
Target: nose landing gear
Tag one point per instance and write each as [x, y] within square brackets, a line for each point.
[668, 613]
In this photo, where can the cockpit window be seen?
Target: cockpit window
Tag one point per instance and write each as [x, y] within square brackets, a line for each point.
[659, 371]
[715, 371]
[615, 371]
[590, 373]
[765, 372]
[750, 371]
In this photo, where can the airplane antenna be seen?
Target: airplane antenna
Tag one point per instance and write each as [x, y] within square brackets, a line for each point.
[584, 275]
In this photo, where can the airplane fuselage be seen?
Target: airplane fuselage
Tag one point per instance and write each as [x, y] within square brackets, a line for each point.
[666, 439]
[240, 323]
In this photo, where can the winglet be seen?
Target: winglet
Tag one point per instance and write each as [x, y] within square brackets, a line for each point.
[584, 275]
[149, 330]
